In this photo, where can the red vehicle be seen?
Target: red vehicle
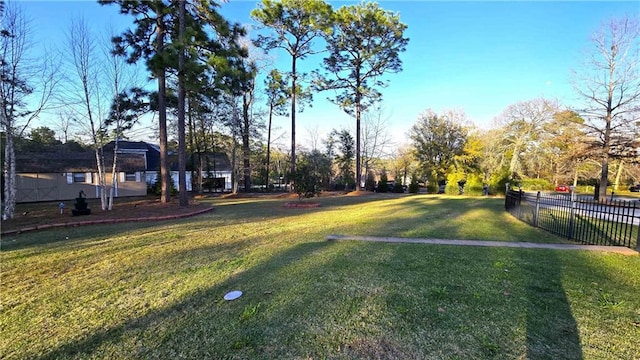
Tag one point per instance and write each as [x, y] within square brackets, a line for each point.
[562, 188]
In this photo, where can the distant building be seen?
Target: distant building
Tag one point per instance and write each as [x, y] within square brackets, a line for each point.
[60, 174]
[216, 167]
[56, 173]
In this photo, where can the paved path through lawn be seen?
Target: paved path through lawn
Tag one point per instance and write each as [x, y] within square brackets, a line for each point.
[614, 249]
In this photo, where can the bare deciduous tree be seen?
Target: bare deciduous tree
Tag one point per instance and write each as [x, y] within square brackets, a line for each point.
[64, 125]
[83, 89]
[609, 84]
[375, 137]
[119, 76]
[403, 163]
[522, 125]
[95, 83]
[26, 85]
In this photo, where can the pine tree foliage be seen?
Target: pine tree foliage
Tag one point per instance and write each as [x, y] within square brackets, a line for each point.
[365, 44]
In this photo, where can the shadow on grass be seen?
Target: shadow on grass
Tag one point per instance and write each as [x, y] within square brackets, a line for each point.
[228, 212]
[552, 331]
[359, 300]
[64, 236]
[480, 303]
[260, 209]
[203, 325]
[472, 218]
[311, 300]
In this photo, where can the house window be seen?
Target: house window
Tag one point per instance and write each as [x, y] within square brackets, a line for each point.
[129, 176]
[79, 177]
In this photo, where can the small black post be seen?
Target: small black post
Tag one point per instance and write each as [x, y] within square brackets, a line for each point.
[537, 212]
[638, 239]
[572, 215]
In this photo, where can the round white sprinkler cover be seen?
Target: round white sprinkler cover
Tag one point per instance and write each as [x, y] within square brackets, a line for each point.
[232, 295]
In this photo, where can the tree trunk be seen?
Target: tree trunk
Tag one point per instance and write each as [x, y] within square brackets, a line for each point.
[293, 117]
[602, 193]
[358, 165]
[182, 158]
[196, 168]
[114, 167]
[358, 115]
[246, 164]
[618, 175]
[366, 170]
[268, 164]
[404, 174]
[97, 143]
[165, 175]
[604, 175]
[9, 176]
[114, 174]
[102, 191]
[513, 164]
[234, 183]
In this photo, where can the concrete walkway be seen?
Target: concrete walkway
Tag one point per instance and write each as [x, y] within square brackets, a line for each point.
[528, 245]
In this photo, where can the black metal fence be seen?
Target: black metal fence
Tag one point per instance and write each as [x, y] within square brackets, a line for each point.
[613, 222]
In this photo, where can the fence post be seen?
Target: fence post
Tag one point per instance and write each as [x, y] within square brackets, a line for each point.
[537, 212]
[520, 194]
[573, 211]
[638, 239]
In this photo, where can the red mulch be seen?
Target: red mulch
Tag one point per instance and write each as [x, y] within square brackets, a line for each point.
[301, 205]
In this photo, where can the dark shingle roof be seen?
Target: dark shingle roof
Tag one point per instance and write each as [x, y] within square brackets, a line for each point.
[152, 151]
[59, 161]
[211, 162]
[131, 156]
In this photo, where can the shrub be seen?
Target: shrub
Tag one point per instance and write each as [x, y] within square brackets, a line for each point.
[370, 182]
[382, 184]
[156, 188]
[306, 183]
[536, 184]
[474, 185]
[432, 186]
[414, 187]
[499, 183]
[398, 188]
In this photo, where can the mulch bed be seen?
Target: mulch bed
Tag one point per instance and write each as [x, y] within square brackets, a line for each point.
[301, 205]
[36, 216]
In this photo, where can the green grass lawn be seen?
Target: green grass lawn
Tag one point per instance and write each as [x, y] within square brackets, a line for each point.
[155, 290]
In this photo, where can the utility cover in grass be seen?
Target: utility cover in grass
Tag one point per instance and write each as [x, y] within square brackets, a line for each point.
[232, 295]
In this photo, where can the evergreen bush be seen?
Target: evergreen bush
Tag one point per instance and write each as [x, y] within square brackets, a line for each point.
[414, 187]
[382, 184]
[306, 183]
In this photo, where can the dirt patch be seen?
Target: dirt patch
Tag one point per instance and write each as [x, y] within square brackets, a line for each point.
[359, 193]
[32, 215]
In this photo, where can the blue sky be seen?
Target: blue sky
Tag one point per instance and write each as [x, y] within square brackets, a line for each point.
[479, 56]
